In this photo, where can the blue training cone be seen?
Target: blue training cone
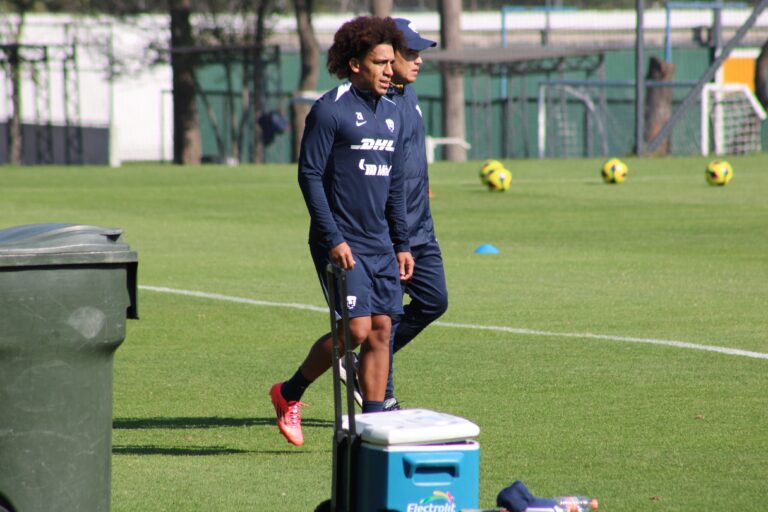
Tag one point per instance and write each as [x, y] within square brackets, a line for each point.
[486, 249]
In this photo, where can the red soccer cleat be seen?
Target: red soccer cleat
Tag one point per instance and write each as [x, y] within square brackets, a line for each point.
[288, 416]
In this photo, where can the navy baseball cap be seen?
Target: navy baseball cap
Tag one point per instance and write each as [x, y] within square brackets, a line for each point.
[412, 38]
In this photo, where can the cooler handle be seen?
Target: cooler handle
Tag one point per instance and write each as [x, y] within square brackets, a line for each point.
[415, 465]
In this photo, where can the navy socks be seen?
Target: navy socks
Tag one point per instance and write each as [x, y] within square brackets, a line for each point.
[294, 388]
[372, 406]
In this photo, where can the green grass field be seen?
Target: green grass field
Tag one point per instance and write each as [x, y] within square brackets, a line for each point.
[580, 389]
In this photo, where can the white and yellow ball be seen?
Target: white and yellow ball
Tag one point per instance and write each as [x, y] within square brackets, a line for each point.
[499, 179]
[719, 173]
[614, 171]
[488, 167]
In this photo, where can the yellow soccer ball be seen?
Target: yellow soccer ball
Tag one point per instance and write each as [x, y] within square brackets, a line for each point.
[719, 173]
[488, 167]
[614, 171]
[499, 179]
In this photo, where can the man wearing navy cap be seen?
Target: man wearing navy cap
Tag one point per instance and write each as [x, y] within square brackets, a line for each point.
[426, 288]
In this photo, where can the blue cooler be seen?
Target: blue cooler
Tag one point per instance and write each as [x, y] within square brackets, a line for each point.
[417, 460]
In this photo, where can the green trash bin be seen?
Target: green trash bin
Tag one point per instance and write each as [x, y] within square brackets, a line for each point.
[65, 294]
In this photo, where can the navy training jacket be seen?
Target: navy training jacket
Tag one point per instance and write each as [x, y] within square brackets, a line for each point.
[421, 229]
[350, 172]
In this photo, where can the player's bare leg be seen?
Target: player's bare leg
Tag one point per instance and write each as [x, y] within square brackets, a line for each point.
[374, 359]
[318, 361]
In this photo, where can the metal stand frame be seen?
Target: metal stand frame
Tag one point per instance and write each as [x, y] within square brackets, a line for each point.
[345, 441]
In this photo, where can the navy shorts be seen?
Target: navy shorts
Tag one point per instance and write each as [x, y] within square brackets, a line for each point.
[373, 286]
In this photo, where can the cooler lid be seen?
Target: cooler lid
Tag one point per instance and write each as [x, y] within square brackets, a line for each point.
[412, 426]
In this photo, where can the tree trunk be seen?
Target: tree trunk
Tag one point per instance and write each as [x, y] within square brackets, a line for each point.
[258, 81]
[14, 63]
[187, 146]
[453, 80]
[310, 69]
[761, 70]
[658, 108]
[381, 8]
[14, 125]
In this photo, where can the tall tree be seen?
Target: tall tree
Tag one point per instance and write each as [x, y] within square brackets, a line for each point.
[187, 146]
[658, 105]
[218, 32]
[310, 69]
[381, 8]
[453, 80]
[14, 56]
[222, 28]
[262, 9]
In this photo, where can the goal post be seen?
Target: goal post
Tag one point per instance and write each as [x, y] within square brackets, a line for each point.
[731, 119]
[555, 122]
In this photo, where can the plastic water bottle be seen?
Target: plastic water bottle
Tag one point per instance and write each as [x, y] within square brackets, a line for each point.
[576, 503]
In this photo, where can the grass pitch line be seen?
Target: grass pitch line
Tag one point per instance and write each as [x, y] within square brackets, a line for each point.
[229, 298]
[475, 327]
[627, 339]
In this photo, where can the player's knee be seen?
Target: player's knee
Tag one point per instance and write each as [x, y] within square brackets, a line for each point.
[436, 308]
[442, 306]
[359, 329]
[380, 331]
[359, 334]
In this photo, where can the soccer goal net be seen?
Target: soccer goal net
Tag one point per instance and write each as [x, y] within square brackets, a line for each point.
[585, 118]
[731, 119]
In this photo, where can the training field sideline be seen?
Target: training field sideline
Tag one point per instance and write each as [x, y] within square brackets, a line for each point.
[615, 347]
[512, 330]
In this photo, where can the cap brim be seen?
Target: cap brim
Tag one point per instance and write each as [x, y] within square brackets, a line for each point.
[421, 44]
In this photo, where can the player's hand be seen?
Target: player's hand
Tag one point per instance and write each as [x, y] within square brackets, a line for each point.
[406, 264]
[341, 256]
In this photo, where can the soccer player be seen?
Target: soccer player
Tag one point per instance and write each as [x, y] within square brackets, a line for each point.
[426, 289]
[350, 172]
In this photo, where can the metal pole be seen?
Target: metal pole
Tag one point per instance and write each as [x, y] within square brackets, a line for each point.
[717, 29]
[707, 76]
[330, 275]
[503, 27]
[704, 133]
[505, 124]
[542, 124]
[523, 99]
[503, 84]
[162, 126]
[639, 80]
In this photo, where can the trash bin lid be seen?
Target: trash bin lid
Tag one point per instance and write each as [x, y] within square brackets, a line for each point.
[62, 244]
[412, 426]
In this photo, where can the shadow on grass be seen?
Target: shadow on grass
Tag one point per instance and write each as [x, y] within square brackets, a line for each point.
[186, 452]
[160, 450]
[210, 422]
[200, 423]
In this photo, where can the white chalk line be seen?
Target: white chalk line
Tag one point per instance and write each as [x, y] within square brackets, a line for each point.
[474, 327]
[229, 298]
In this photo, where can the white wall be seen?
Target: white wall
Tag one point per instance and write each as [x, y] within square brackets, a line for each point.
[132, 103]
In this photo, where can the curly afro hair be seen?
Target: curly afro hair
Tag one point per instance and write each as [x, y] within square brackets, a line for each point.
[357, 37]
